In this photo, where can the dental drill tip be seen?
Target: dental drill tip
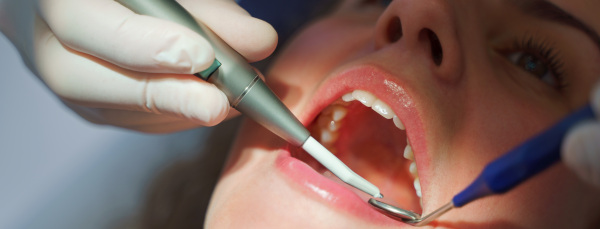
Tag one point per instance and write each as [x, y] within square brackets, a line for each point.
[338, 168]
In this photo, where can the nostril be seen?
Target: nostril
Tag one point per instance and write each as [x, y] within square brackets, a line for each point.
[394, 30]
[437, 54]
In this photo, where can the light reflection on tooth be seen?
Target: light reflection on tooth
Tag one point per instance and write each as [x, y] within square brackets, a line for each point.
[339, 113]
[408, 153]
[417, 185]
[413, 169]
[364, 97]
[398, 123]
[383, 109]
[333, 126]
[348, 97]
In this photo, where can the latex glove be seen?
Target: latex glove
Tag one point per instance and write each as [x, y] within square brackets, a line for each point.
[115, 67]
[581, 147]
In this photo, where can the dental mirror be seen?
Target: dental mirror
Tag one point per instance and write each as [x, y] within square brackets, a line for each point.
[409, 217]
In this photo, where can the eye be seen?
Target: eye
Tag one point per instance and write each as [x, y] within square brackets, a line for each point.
[535, 66]
[539, 60]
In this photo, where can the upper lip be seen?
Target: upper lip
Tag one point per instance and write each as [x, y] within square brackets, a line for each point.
[385, 86]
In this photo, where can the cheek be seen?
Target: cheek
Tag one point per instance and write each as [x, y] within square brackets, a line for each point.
[314, 54]
[488, 127]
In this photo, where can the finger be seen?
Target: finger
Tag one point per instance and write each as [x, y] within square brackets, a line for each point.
[108, 30]
[90, 82]
[251, 37]
[581, 152]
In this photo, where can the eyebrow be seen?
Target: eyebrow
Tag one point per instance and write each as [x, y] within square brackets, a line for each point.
[548, 11]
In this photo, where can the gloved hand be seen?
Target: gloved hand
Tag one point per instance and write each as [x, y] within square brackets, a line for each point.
[115, 67]
[581, 147]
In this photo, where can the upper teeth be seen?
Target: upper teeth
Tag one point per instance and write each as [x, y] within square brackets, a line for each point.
[383, 109]
[408, 153]
[398, 123]
[364, 97]
[330, 121]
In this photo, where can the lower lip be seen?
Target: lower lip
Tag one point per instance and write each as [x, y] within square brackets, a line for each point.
[320, 187]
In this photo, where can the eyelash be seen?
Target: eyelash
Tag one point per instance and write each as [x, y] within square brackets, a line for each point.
[546, 53]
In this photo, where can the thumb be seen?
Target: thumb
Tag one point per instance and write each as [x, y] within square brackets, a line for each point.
[581, 152]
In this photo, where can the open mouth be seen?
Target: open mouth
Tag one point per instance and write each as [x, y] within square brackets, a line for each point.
[364, 132]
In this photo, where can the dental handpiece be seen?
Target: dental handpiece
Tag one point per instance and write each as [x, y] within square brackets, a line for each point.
[248, 94]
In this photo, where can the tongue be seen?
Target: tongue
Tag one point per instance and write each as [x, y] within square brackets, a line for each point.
[372, 146]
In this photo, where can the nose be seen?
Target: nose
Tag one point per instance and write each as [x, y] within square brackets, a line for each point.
[424, 28]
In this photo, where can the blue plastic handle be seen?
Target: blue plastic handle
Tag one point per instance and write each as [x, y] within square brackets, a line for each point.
[524, 161]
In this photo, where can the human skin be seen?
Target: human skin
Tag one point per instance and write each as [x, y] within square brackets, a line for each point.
[461, 113]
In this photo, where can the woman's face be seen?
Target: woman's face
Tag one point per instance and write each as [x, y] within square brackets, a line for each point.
[469, 80]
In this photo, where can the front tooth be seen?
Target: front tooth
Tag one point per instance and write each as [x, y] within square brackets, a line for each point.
[398, 123]
[383, 109]
[413, 169]
[348, 97]
[417, 185]
[408, 153]
[364, 97]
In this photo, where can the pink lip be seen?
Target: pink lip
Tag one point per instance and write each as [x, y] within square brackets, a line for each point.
[387, 88]
[335, 194]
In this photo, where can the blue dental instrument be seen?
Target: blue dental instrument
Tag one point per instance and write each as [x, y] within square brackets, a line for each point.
[504, 173]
